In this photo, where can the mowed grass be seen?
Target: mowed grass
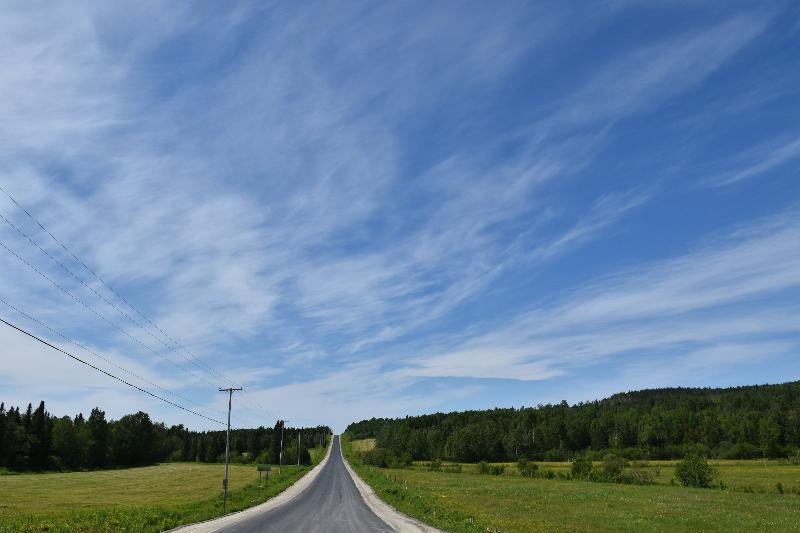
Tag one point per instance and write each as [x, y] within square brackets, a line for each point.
[165, 484]
[468, 503]
[145, 499]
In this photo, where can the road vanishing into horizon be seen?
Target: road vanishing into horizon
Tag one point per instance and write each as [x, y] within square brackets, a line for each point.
[331, 504]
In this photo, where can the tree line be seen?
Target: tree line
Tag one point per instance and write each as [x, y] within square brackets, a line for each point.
[732, 423]
[36, 440]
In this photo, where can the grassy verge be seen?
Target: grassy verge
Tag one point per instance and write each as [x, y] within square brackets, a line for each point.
[468, 502]
[145, 499]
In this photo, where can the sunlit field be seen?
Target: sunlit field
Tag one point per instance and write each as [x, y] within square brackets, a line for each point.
[739, 475]
[469, 502]
[150, 498]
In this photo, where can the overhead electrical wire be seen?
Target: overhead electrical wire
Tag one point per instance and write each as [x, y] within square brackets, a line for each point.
[107, 360]
[111, 289]
[103, 298]
[109, 374]
[191, 357]
[93, 311]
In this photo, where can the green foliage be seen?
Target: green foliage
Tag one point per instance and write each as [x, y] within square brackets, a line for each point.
[741, 422]
[640, 474]
[384, 458]
[453, 468]
[613, 466]
[36, 440]
[485, 468]
[527, 468]
[581, 466]
[694, 471]
[435, 465]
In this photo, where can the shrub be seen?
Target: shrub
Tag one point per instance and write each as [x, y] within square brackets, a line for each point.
[435, 465]
[694, 471]
[527, 468]
[612, 466]
[581, 467]
[498, 470]
[399, 461]
[795, 459]
[453, 469]
[640, 474]
[486, 468]
[383, 458]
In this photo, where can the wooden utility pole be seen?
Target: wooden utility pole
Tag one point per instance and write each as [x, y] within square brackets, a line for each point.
[280, 455]
[227, 448]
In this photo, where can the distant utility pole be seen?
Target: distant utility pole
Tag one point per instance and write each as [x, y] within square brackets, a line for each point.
[227, 448]
[298, 447]
[280, 455]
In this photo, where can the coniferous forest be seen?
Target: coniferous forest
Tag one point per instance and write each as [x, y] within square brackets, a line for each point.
[34, 439]
[732, 423]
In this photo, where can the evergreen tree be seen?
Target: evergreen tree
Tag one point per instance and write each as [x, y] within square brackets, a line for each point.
[40, 438]
[99, 439]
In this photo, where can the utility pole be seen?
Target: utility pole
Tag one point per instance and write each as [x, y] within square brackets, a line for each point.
[280, 455]
[227, 448]
[298, 447]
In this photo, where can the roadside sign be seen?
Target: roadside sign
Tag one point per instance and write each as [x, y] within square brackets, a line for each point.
[264, 468]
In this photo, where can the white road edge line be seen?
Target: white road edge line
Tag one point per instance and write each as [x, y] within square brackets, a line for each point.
[283, 498]
[400, 522]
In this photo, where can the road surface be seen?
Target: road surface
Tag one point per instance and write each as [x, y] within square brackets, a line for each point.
[331, 504]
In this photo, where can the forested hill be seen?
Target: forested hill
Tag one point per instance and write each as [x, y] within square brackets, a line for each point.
[738, 422]
[36, 440]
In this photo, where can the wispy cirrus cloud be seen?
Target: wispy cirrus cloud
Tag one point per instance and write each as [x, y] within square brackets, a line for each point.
[650, 75]
[759, 161]
[312, 212]
[700, 299]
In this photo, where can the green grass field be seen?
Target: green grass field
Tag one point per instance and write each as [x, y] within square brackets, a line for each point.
[146, 499]
[468, 502]
[745, 476]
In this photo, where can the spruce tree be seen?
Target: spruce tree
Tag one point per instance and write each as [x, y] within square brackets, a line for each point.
[99, 438]
[41, 438]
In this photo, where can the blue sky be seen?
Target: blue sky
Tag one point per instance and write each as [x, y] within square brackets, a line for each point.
[380, 209]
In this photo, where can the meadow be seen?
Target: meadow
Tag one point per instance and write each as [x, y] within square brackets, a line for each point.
[468, 502]
[145, 499]
[741, 475]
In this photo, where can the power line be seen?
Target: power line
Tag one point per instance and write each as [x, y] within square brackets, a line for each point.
[109, 374]
[117, 294]
[192, 358]
[94, 353]
[92, 310]
[103, 298]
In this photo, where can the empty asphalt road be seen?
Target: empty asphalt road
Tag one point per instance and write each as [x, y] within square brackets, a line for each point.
[331, 504]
